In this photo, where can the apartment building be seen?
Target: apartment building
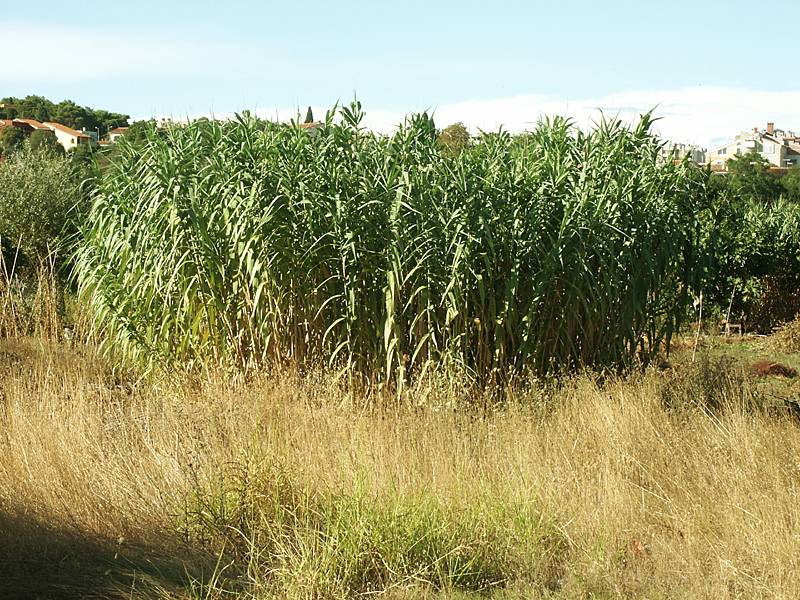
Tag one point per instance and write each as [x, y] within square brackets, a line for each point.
[678, 152]
[780, 148]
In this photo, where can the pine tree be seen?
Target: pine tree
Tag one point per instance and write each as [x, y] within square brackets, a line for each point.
[309, 116]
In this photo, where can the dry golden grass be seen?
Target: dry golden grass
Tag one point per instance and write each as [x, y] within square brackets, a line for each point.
[285, 487]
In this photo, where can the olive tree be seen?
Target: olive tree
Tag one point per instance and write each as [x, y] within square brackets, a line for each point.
[40, 193]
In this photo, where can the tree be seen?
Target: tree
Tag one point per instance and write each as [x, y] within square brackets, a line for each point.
[453, 139]
[67, 112]
[106, 121]
[791, 184]
[45, 141]
[34, 107]
[139, 130]
[309, 116]
[8, 109]
[39, 194]
[750, 178]
[11, 138]
[72, 115]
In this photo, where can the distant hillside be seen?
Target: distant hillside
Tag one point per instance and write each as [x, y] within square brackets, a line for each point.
[65, 112]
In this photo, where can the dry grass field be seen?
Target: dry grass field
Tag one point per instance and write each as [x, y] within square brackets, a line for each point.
[484, 425]
[681, 483]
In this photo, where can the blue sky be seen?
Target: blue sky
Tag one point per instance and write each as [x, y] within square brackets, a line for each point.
[711, 66]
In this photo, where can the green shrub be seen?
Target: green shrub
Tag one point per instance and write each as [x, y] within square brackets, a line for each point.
[756, 266]
[750, 177]
[39, 194]
[83, 154]
[11, 139]
[45, 141]
[791, 184]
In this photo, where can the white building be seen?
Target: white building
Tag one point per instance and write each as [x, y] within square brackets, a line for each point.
[780, 148]
[115, 134]
[70, 138]
[678, 152]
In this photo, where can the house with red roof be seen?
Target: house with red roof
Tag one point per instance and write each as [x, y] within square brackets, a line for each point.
[68, 137]
[27, 125]
[116, 133]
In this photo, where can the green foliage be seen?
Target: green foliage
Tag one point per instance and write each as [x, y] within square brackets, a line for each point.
[791, 184]
[754, 236]
[750, 178]
[72, 115]
[66, 112]
[355, 544]
[139, 131]
[45, 141]
[39, 193]
[31, 107]
[106, 121]
[7, 110]
[453, 139]
[83, 154]
[756, 251]
[240, 243]
[11, 139]
[309, 116]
